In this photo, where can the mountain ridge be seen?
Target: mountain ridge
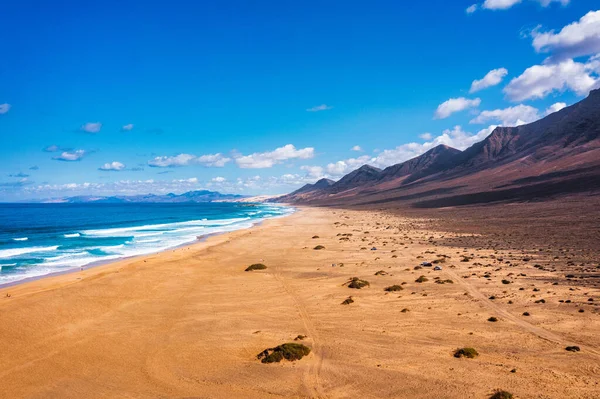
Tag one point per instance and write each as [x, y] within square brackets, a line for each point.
[561, 147]
[196, 196]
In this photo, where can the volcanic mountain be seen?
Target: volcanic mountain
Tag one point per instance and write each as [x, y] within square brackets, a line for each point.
[433, 161]
[556, 155]
[364, 175]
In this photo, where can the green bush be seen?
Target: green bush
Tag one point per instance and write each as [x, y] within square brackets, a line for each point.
[501, 395]
[394, 287]
[357, 283]
[290, 351]
[256, 266]
[493, 319]
[470, 353]
[421, 279]
[348, 301]
[318, 247]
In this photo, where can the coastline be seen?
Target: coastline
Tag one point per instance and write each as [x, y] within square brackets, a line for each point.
[202, 243]
[199, 239]
[190, 322]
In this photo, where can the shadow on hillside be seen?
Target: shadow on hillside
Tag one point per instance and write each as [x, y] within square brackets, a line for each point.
[437, 191]
[527, 193]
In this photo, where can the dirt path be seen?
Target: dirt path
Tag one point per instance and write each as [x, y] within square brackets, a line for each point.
[312, 378]
[538, 331]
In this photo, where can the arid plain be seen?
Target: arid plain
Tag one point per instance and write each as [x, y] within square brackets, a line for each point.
[190, 322]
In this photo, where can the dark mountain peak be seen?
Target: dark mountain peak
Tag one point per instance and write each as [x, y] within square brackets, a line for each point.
[432, 161]
[323, 183]
[304, 189]
[363, 175]
[442, 148]
[549, 137]
[368, 169]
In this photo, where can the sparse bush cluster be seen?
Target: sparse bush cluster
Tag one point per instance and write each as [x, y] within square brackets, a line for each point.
[394, 287]
[290, 351]
[470, 353]
[357, 283]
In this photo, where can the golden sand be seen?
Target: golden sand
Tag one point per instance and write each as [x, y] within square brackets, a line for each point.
[189, 322]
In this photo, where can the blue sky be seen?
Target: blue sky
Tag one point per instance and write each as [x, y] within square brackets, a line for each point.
[260, 97]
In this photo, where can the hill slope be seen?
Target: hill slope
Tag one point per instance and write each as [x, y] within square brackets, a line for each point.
[556, 155]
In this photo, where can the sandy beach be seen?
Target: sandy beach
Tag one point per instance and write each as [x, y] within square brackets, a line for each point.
[190, 322]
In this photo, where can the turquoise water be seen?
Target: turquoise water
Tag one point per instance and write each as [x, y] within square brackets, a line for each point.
[38, 239]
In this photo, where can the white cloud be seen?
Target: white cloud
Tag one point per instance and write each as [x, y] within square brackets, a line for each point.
[128, 127]
[453, 105]
[472, 8]
[340, 168]
[52, 148]
[555, 108]
[506, 4]
[191, 180]
[71, 156]
[217, 160]
[315, 172]
[121, 187]
[92, 127]
[492, 78]
[512, 116]
[575, 40]
[500, 4]
[259, 160]
[356, 148]
[211, 160]
[540, 80]
[112, 166]
[456, 138]
[426, 136]
[169, 162]
[218, 179]
[322, 107]
[4, 108]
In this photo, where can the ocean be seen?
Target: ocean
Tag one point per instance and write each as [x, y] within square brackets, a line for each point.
[39, 239]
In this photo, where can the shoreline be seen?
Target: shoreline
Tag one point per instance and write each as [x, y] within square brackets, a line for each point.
[100, 263]
[190, 322]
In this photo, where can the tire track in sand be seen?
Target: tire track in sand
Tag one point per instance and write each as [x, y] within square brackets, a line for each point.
[312, 377]
[538, 331]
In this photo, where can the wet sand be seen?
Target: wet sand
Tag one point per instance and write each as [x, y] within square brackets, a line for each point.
[189, 322]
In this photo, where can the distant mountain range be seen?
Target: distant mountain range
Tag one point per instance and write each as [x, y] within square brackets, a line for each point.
[557, 155]
[189, 197]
